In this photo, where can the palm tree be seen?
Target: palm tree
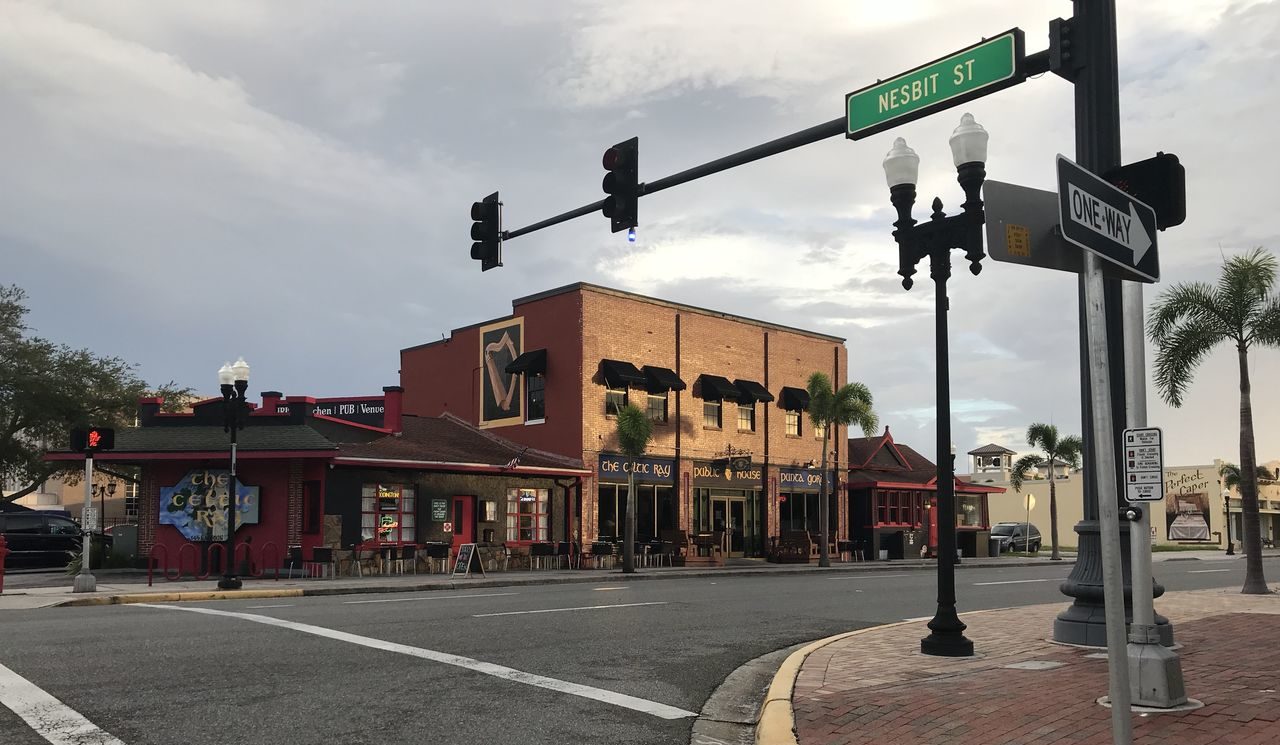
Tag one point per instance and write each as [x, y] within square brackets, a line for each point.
[851, 404]
[634, 432]
[1191, 318]
[1230, 474]
[1066, 450]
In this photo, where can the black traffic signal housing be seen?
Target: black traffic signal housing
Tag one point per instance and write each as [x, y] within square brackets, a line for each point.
[1159, 182]
[93, 439]
[621, 184]
[487, 232]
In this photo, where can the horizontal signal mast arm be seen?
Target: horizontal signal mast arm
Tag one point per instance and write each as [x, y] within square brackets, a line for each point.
[1034, 64]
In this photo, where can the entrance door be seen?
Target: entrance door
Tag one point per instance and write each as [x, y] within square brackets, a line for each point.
[464, 521]
[729, 515]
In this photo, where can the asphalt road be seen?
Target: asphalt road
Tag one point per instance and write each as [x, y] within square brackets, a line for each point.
[540, 664]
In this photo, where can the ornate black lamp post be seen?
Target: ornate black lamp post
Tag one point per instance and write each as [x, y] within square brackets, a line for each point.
[234, 381]
[935, 239]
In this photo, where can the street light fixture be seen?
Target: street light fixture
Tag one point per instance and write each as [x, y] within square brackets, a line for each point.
[935, 239]
[1226, 510]
[234, 382]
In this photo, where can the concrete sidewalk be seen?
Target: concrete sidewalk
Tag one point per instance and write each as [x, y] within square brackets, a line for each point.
[874, 686]
[26, 592]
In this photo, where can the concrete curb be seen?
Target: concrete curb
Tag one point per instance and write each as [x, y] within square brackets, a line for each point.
[777, 724]
[176, 597]
[513, 581]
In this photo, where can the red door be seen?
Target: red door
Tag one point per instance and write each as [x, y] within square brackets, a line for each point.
[464, 521]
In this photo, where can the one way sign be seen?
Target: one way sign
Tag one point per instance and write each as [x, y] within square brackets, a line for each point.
[1105, 220]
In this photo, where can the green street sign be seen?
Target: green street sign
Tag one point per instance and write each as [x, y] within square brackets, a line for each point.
[983, 68]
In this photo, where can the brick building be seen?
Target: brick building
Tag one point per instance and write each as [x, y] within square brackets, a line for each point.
[732, 452]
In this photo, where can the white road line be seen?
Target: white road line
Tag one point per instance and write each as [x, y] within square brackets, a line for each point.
[285, 605]
[430, 597]
[563, 610]
[644, 706]
[919, 618]
[606, 589]
[49, 717]
[1207, 571]
[877, 576]
[1019, 581]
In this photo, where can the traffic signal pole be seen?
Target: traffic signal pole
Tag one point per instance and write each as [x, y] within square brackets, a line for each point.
[85, 581]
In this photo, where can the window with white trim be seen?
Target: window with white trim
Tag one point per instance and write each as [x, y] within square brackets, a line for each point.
[387, 512]
[527, 517]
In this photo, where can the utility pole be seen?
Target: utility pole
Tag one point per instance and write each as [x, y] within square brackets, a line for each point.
[1083, 50]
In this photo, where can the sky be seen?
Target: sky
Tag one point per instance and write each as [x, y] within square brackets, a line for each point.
[186, 182]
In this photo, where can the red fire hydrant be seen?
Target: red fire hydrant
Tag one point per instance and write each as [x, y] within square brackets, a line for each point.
[4, 551]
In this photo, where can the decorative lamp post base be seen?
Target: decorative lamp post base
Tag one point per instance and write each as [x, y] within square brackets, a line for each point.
[947, 644]
[229, 583]
[85, 582]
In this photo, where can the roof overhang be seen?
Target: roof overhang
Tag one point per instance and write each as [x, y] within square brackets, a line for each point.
[444, 466]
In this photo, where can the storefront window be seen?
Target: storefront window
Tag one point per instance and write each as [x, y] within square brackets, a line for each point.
[655, 511]
[527, 514]
[800, 511]
[970, 512]
[387, 512]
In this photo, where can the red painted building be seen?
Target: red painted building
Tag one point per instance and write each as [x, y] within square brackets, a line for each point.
[893, 496]
[335, 473]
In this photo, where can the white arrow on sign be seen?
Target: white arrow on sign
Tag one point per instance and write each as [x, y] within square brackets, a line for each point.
[1110, 223]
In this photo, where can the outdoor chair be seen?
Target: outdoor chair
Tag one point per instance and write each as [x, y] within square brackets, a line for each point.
[438, 552]
[321, 559]
[600, 552]
[294, 557]
[407, 554]
[540, 555]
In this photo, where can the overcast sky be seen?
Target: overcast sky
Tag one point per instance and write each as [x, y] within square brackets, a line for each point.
[184, 182]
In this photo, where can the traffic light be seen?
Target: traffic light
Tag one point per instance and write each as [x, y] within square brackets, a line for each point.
[621, 183]
[487, 232]
[1160, 182]
[93, 439]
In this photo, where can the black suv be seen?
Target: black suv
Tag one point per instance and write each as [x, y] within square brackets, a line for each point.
[1016, 537]
[38, 540]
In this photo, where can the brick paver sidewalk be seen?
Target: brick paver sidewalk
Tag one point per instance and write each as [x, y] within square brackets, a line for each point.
[877, 688]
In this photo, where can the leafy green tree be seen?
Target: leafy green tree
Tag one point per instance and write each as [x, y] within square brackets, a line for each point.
[47, 388]
[1067, 449]
[1230, 474]
[1186, 323]
[829, 407]
[634, 432]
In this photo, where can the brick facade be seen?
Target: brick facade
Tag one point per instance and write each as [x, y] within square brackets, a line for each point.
[582, 324]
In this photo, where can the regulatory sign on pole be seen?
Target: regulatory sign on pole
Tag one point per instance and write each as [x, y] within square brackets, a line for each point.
[1144, 464]
[1105, 220]
[972, 72]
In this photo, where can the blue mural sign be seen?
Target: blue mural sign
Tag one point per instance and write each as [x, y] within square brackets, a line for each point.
[802, 479]
[197, 505]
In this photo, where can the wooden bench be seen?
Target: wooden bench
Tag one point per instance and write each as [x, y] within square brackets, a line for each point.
[707, 550]
[793, 547]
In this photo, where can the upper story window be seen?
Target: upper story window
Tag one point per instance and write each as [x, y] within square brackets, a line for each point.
[533, 366]
[535, 398]
[614, 400]
[746, 416]
[793, 424]
[656, 407]
[711, 414]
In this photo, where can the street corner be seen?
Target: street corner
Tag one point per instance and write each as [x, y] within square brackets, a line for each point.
[776, 724]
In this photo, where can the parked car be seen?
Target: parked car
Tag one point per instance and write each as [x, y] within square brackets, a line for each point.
[36, 539]
[1016, 537]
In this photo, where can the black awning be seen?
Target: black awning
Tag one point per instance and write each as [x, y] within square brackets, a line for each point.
[533, 362]
[716, 388]
[661, 380]
[752, 391]
[795, 399]
[618, 374]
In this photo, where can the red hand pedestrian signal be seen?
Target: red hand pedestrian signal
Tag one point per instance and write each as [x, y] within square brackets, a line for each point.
[95, 439]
